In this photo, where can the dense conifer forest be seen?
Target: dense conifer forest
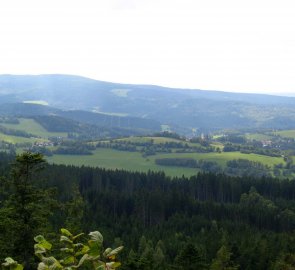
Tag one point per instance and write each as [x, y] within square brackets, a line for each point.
[209, 221]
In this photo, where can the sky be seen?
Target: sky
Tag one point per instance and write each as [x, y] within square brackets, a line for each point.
[230, 45]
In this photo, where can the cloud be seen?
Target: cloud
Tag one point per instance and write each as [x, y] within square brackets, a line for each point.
[210, 44]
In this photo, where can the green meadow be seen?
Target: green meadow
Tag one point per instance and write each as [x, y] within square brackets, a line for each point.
[16, 139]
[222, 158]
[155, 140]
[133, 161]
[286, 133]
[113, 159]
[257, 137]
[149, 139]
[32, 127]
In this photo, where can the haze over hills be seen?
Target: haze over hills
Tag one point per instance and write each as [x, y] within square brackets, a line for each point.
[148, 106]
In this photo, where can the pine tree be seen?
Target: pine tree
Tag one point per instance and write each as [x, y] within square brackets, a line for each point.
[26, 209]
[190, 258]
[146, 257]
[132, 261]
[159, 258]
[223, 260]
[74, 210]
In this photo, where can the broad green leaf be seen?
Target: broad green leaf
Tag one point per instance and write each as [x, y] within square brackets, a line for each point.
[12, 264]
[96, 236]
[98, 264]
[65, 239]
[94, 250]
[113, 265]
[82, 260]
[95, 243]
[77, 236]
[66, 232]
[106, 252]
[39, 238]
[83, 251]
[52, 263]
[39, 249]
[42, 242]
[18, 267]
[9, 261]
[42, 266]
[69, 260]
[67, 250]
[115, 251]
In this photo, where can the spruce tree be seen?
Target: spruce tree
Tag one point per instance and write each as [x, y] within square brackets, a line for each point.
[223, 260]
[190, 258]
[26, 209]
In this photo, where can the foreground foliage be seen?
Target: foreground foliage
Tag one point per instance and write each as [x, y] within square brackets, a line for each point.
[73, 254]
[25, 208]
[206, 222]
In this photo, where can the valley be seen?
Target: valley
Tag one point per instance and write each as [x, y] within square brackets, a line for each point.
[74, 120]
[266, 152]
[164, 172]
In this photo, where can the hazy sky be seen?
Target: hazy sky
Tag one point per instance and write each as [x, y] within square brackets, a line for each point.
[230, 45]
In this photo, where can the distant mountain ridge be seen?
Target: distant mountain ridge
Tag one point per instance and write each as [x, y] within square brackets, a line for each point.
[137, 125]
[181, 109]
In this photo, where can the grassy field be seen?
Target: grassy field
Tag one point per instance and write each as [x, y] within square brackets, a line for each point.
[16, 139]
[133, 161]
[257, 137]
[222, 158]
[156, 140]
[149, 139]
[113, 159]
[286, 133]
[31, 126]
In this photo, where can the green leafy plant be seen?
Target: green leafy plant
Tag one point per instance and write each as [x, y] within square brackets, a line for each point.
[11, 264]
[73, 254]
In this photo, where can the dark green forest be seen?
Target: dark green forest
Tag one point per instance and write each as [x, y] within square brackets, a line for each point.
[209, 221]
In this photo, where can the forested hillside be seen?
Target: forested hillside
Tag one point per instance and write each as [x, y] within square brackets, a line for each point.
[124, 105]
[164, 223]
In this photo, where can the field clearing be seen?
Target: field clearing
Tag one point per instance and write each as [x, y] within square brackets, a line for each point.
[16, 139]
[113, 159]
[31, 126]
[258, 137]
[222, 158]
[286, 133]
[148, 139]
[133, 161]
[156, 140]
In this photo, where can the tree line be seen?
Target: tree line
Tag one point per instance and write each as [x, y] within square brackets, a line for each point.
[208, 221]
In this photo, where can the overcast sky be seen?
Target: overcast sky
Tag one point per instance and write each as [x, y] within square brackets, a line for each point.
[234, 45]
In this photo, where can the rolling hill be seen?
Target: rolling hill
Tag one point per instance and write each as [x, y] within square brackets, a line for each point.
[147, 106]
